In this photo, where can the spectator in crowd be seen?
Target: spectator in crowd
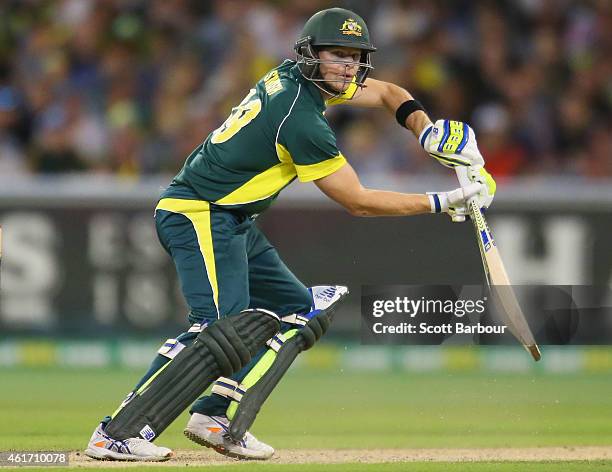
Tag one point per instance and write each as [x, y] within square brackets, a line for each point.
[128, 88]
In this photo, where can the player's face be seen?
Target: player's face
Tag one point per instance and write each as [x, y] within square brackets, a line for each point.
[339, 74]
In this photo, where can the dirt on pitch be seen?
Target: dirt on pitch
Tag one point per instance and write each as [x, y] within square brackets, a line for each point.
[328, 456]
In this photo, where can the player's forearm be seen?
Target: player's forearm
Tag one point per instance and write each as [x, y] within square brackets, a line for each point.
[417, 122]
[393, 97]
[384, 203]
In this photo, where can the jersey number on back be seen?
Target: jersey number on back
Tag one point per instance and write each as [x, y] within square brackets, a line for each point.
[240, 117]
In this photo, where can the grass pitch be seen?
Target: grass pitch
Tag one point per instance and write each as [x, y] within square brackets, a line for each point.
[56, 409]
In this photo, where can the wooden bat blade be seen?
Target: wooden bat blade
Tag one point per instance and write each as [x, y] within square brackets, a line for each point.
[498, 279]
[534, 350]
[504, 295]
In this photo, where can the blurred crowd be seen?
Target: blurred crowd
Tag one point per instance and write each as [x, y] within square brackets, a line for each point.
[130, 87]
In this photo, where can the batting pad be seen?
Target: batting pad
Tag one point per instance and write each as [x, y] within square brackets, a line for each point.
[285, 348]
[219, 350]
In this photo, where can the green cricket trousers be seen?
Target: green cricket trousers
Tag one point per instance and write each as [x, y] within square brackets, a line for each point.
[225, 265]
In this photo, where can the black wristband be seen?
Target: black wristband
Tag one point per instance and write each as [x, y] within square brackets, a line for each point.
[405, 109]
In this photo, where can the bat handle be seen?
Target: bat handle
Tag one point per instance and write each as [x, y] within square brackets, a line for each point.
[462, 176]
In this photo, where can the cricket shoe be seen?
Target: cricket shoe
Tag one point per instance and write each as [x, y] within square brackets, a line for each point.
[103, 447]
[213, 432]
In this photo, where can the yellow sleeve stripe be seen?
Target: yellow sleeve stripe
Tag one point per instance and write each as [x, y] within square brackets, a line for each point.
[344, 96]
[198, 212]
[320, 169]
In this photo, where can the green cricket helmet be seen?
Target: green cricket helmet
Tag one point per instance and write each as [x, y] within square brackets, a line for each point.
[333, 27]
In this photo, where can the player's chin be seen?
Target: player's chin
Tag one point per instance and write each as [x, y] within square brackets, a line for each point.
[339, 86]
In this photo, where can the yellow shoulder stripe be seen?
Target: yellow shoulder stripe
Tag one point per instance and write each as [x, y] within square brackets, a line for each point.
[307, 173]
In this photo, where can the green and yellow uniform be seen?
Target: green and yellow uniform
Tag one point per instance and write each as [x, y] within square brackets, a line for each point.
[205, 218]
[277, 133]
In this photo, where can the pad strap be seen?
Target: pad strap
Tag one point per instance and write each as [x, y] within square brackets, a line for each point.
[266, 374]
[171, 348]
[233, 390]
[276, 342]
[197, 328]
[229, 388]
[223, 348]
[294, 319]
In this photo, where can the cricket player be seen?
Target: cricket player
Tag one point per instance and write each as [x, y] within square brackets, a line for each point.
[249, 315]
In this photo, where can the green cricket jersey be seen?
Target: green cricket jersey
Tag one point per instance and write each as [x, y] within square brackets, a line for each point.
[277, 133]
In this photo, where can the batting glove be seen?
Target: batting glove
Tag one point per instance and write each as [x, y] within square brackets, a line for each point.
[480, 175]
[466, 176]
[451, 143]
[454, 202]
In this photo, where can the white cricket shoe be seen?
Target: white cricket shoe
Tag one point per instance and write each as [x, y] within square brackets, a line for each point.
[213, 432]
[103, 447]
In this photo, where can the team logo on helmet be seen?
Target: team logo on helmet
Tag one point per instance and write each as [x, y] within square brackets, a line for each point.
[351, 27]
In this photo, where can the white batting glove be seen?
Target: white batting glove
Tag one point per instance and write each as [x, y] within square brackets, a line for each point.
[454, 202]
[451, 143]
[478, 174]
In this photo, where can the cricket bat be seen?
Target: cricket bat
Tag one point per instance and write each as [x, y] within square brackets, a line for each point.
[497, 276]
